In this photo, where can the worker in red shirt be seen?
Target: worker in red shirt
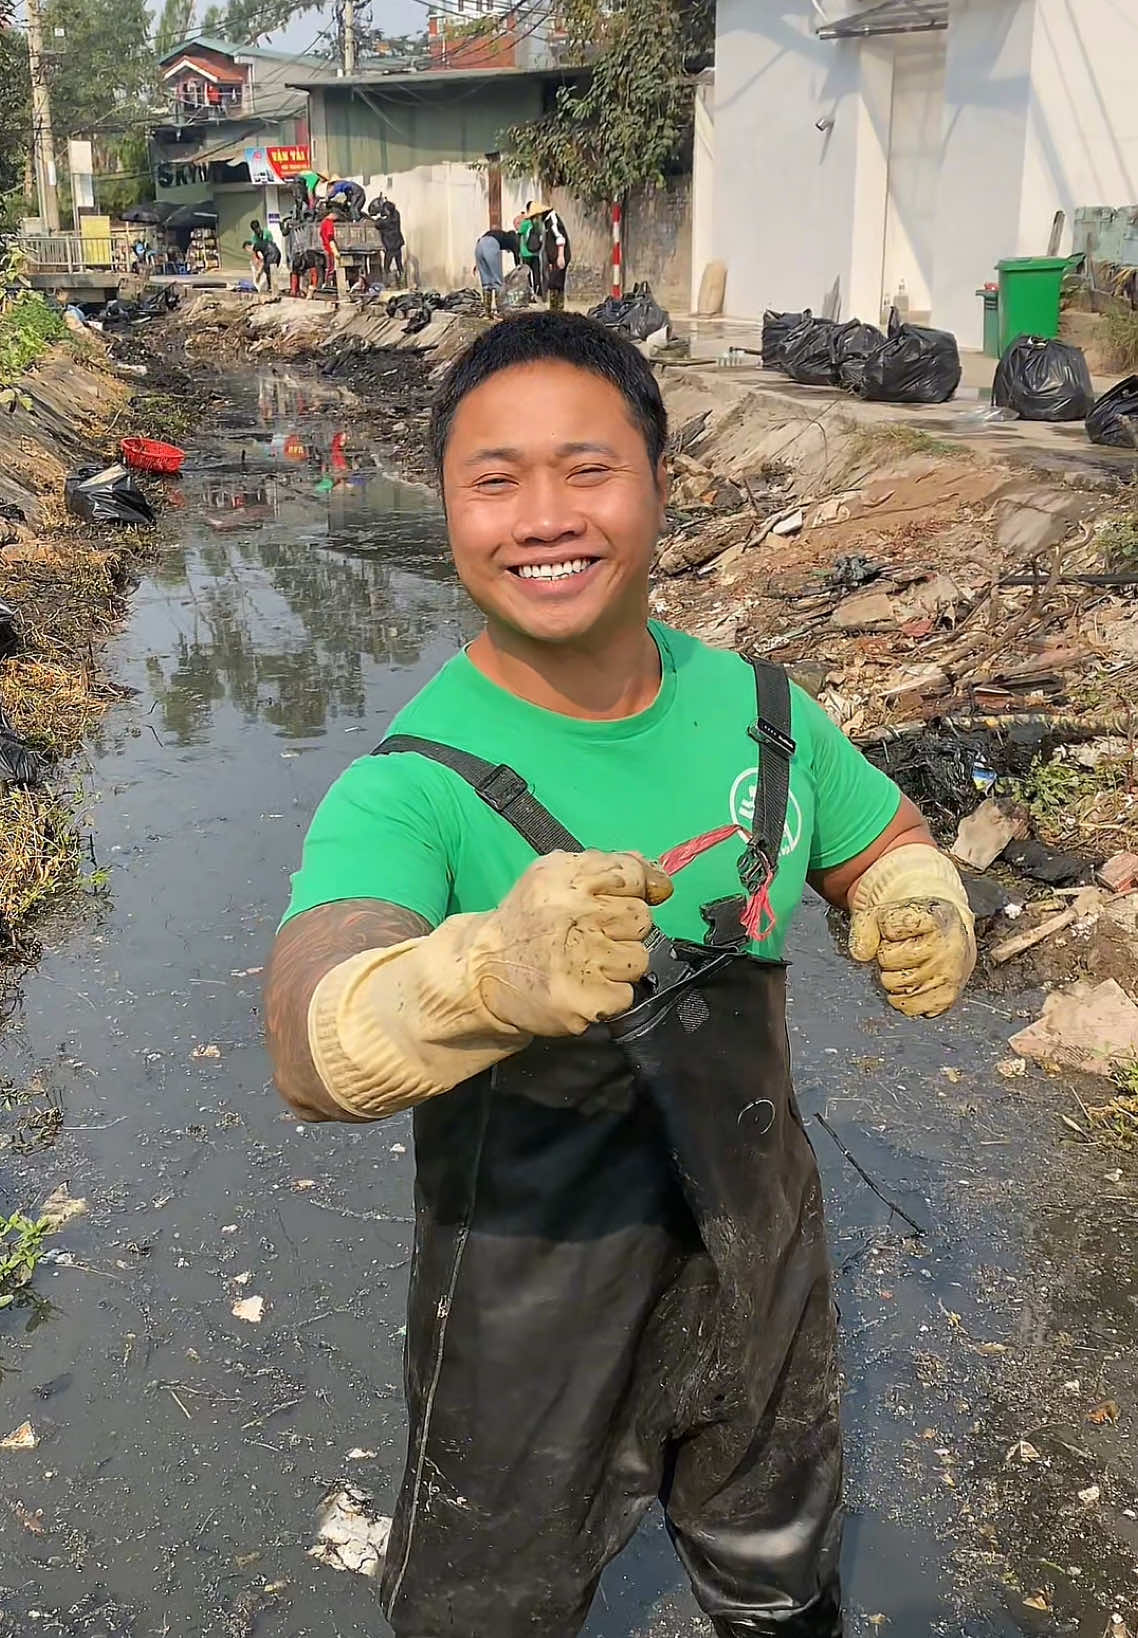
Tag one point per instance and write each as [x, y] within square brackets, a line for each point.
[328, 240]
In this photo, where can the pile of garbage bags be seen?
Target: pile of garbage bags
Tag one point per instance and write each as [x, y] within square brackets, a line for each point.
[1114, 419]
[909, 365]
[107, 495]
[118, 314]
[1043, 381]
[639, 315]
[419, 306]
[416, 306]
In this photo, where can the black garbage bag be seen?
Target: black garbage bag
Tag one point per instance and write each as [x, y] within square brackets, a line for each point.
[107, 495]
[777, 330]
[516, 292]
[467, 301]
[916, 365]
[638, 314]
[1114, 419]
[166, 299]
[19, 764]
[808, 355]
[117, 315]
[1043, 381]
[852, 347]
[9, 632]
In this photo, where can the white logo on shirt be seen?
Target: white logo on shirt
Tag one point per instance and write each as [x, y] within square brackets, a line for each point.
[743, 811]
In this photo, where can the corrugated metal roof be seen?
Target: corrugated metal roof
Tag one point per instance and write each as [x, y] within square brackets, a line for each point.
[439, 77]
[891, 17]
[226, 48]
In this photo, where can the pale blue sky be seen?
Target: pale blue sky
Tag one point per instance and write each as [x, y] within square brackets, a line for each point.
[392, 16]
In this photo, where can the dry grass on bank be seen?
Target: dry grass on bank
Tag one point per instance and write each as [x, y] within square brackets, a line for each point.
[69, 591]
[40, 856]
[52, 707]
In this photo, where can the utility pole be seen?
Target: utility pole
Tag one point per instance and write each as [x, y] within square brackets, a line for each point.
[349, 36]
[43, 143]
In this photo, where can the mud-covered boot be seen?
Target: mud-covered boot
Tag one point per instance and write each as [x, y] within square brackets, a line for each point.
[488, 303]
[557, 301]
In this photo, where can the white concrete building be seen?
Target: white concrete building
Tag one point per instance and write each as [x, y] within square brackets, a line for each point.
[912, 142]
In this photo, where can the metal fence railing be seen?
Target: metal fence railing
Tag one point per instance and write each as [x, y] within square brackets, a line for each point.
[76, 252]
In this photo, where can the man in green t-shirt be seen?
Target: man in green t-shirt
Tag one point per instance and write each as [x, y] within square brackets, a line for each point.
[549, 917]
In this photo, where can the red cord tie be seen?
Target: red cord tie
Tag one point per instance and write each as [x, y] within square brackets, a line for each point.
[759, 920]
[678, 858]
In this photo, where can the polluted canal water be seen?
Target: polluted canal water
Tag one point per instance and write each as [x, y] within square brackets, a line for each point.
[184, 1449]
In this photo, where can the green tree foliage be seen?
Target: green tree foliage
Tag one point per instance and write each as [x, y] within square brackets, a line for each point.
[125, 176]
[244, 22]
[623, 127]
[15, 122]
[173, 25]
[102, 70]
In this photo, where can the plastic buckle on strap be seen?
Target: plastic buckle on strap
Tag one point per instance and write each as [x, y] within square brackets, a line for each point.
[500, 787]
[755, 867]
[762, 729]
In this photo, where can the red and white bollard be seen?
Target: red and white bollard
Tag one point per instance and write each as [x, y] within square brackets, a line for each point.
[617, 261]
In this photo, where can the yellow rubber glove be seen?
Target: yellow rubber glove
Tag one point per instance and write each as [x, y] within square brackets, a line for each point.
[390, 1028]
[910, 912]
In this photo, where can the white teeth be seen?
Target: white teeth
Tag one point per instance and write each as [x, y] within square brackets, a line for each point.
[553, 571]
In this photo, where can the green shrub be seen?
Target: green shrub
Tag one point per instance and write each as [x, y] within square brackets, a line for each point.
[27, 326]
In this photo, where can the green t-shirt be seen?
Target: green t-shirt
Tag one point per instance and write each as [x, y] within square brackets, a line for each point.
[405, 829]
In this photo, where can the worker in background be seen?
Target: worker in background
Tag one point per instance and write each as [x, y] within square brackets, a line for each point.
[488, 263]
[304, 188]
[257, 268]
[267, 248]
[328, 225]
[351, 196]
[556, 252]
[308, 267]
[529, 232]
[549, 916]
[390, 225]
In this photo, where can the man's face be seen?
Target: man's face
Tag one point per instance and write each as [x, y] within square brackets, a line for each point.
[553, 505]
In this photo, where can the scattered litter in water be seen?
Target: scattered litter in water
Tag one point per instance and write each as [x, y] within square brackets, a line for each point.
[22, 1438]
[352, 1535]
[60, 1208]
[250, 1309]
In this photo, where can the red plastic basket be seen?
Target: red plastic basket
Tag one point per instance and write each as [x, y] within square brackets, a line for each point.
[149, 455]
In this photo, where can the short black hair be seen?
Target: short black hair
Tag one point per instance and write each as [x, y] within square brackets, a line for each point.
[564, 338]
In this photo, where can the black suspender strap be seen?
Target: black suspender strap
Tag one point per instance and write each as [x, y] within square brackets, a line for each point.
[499, 787]
[771, 731]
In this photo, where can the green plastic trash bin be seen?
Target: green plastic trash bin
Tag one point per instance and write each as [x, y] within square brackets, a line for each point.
[991, 320]
[1029, 297]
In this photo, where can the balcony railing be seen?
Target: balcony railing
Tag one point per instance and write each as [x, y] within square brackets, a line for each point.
[75, 252]
[188, 111]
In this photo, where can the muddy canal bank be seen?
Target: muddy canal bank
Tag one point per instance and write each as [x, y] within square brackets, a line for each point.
[301, 595]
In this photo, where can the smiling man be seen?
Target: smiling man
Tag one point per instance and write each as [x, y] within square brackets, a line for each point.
[549, 916]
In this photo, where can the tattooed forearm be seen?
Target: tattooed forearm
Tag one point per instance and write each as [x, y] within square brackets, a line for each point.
[306, 948]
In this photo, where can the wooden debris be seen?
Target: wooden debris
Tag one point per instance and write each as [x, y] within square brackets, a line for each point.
[1019, 942]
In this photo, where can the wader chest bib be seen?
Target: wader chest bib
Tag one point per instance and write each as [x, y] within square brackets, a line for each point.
[621, 1291]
